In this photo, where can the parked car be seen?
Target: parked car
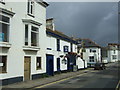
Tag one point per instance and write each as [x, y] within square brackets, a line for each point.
[99, 66]
[105, 61]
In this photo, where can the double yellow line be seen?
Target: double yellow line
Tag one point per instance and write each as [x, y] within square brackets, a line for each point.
[118, 86]
[59, 81]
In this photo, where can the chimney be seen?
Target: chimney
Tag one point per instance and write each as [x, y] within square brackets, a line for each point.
[50, 24]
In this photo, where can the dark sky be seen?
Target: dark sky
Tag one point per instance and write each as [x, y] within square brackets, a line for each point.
[95, 20]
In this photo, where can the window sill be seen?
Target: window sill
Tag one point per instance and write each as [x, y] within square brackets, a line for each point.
[30, 48]
[31, 15]
[5, 45]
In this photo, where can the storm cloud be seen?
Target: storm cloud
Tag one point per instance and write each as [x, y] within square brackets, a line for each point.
[95, 20]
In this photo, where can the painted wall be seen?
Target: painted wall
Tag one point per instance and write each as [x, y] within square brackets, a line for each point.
[15, 54]
[87, 54]
[110, 55]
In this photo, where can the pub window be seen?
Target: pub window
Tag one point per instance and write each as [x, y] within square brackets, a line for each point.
[31, 7]
[58, 44]
[34, 36]
[65, 48]
[2, 1]
[71, 47]
[3, 64]
[4, 28]
[38, 63]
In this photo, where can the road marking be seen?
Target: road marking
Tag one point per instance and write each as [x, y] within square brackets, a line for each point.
[117, 87]
[59, 81]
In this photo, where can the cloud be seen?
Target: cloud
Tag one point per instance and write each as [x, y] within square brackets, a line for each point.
[86, 19]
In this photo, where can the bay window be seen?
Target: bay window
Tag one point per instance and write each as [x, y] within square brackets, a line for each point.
[31, 35]
[4, 28]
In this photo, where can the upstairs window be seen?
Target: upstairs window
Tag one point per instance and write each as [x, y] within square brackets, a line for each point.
[3, 64]
[65, 48]
[26, 34]
[71, 47]
[34, 36]
[31, 7]
[31, 35]
[58, 44]
[4, 28]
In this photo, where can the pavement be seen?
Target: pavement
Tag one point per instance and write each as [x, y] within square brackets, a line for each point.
[69, 77]
[46, 80]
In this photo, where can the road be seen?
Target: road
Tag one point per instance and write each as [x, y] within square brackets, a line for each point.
[107, 78]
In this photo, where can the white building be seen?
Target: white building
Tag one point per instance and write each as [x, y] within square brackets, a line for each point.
[90, 51]
[61, 51]
[22, 40]
[113, 52]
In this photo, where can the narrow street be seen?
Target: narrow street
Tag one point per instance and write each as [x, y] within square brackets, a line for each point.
[107, 78]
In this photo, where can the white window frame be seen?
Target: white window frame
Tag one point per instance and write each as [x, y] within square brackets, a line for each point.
[31, 3]
[8, 32]
[29, 34]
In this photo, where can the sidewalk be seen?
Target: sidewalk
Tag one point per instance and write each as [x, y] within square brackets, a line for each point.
[43, 81]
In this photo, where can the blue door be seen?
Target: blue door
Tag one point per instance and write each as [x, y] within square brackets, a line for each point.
[49, 65]
[58, 64]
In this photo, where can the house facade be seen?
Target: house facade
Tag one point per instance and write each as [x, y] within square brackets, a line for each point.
[113, 52]
[90, 51]
[61, 50]
[22, 40]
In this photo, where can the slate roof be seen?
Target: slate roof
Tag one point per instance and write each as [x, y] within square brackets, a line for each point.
[60, 35]
[88, 43]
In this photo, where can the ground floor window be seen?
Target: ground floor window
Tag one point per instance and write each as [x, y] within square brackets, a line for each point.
[114, 56]
[38, 63]
[91, 58]
[3, 64]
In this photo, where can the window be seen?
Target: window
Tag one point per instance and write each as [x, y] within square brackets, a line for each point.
[38, 63]
[114, 56]
[90, 50]
[58, 44]
[71, 45]
[34, 36]
[91, 58]
[31, 7]
[26, 34]
[3, 64]
[4, 28]
[33, 39]
[114, 51]
[2, 1]
[65, 48]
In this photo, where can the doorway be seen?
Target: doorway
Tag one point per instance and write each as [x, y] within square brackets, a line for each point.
[27, 69]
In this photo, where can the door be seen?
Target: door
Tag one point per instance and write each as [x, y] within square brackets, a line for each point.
[58, 64]
[49, 65]
[27, 69]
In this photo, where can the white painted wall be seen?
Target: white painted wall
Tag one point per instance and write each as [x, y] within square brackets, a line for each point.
[15, 55]
[110, 55]
[88, 53]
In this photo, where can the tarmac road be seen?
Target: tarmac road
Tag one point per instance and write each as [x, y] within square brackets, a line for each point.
[108, 78]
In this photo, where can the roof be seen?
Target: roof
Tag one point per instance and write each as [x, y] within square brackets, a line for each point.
[114, 44]
[43, 3]
[60, 35]
[88, 43]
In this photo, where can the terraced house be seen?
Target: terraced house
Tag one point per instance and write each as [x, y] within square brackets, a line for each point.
[22, 38]
[61, 51]
[113, 52]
